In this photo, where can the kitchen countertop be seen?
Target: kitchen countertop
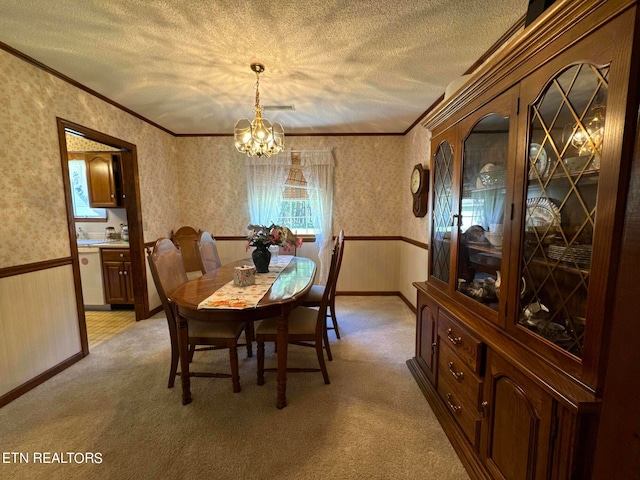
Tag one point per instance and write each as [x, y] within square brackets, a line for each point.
[103, 243]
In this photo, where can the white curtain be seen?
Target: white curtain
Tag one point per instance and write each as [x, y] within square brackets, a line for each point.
[317, 167]
[265, 182]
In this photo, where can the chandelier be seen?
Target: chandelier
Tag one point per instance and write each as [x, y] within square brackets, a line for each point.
[258, 137]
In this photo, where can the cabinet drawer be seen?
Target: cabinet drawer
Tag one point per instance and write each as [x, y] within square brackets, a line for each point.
[466, 415]
[465, 384]
[116, 255]
[466, 345]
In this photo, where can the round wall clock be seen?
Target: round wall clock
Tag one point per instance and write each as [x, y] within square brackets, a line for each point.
[419, 190]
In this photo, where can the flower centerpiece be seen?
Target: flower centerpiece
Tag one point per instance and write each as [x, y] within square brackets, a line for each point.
[262, 237]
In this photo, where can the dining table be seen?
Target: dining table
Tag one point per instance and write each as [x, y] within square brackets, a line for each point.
[289, 289]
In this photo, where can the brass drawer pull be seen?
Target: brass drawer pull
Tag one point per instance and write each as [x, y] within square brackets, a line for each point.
[455, 408]
[455, 340]
[457, 375]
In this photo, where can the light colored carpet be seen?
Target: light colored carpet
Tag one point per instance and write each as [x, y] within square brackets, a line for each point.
[371, 422]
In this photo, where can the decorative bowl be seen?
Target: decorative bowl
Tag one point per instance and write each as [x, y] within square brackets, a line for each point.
[495, 239]
[575, 164]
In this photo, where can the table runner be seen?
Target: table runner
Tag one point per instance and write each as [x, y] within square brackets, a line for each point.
[237, 298]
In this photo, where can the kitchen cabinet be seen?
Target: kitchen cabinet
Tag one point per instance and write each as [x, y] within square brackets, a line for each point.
[529, 172]
[104, 179]
[116, 271]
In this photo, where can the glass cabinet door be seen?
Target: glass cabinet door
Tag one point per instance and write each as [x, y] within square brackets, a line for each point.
[566, 127]
[442, 212]
[481, 216]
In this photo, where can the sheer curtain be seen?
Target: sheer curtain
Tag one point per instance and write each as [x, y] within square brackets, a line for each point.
[317, 167]
[265, 182]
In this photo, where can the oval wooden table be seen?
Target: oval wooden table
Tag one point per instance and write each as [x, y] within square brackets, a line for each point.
[291, 286]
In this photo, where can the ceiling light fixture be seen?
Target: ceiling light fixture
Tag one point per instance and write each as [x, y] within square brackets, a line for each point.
[258, 137]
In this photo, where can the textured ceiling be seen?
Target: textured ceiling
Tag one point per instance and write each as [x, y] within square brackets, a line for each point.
[347, 66]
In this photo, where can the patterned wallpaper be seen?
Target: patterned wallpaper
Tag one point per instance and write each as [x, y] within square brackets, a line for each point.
[81, 144]
[197, 181]
[33, 223]
[369, 189]
[416, 150]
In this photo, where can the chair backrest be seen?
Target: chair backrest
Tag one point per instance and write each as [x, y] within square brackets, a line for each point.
[208, 251]
[321, 324]
[339, 245]
[186, 238]
[167, 270]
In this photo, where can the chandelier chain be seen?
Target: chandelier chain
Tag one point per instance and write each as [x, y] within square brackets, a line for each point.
[259, 137]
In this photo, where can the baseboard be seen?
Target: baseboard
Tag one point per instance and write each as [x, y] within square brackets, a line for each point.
[43, 377]
[378, 294]
[366, 293]
[463, 448]
[158, 309]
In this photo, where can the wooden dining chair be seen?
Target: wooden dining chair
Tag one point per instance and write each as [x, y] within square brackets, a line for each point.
[208, 252]
[307, 327]
[314, 297]
[186, 238]
[167, 268]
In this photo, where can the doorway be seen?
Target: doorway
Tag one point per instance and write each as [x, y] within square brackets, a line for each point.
[130, 202]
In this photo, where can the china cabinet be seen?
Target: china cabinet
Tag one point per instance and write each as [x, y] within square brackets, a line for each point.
[529, 172]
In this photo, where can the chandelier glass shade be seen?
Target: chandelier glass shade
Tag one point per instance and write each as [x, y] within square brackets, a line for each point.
[258, 137]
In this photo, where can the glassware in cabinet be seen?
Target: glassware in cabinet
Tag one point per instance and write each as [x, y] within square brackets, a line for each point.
[566, 131]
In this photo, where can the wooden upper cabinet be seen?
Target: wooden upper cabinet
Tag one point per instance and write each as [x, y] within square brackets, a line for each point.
[101, 177]
[569, 167]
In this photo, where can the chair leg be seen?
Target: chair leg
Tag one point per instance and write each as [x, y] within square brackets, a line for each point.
[323, 366]
[260, 343]
[174, 366]
[192, 350]
[235, 373]
[325, 336]
[334, 320]
[249, 336]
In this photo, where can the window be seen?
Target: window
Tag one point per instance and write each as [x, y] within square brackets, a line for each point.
[80, 193]
[295, 208]
[277, 191]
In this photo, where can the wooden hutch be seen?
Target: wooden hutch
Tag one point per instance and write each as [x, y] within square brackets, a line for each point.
[530, 171]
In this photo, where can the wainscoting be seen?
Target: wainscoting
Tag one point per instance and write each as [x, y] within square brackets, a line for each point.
[39, 314]
[39, 324]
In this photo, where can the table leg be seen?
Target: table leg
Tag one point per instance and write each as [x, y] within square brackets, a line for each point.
[282, 343]
[183, 348]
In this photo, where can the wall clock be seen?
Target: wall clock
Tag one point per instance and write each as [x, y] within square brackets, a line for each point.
[419, 190]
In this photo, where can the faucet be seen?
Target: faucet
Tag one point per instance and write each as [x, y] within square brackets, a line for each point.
[81, 233]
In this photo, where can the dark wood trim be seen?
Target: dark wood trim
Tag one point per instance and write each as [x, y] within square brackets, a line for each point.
[132, 204]
[492, 49]
[76, 84]
[368, 293]
[469, 458]
[34, 267]
[43, 377]
[305, 238]
[517, 62]
[373, 238]
[506, 36]
[363, 134]
[422, 245]
[152, 312]
[312, 239]
[407, 303]
[520, 23]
